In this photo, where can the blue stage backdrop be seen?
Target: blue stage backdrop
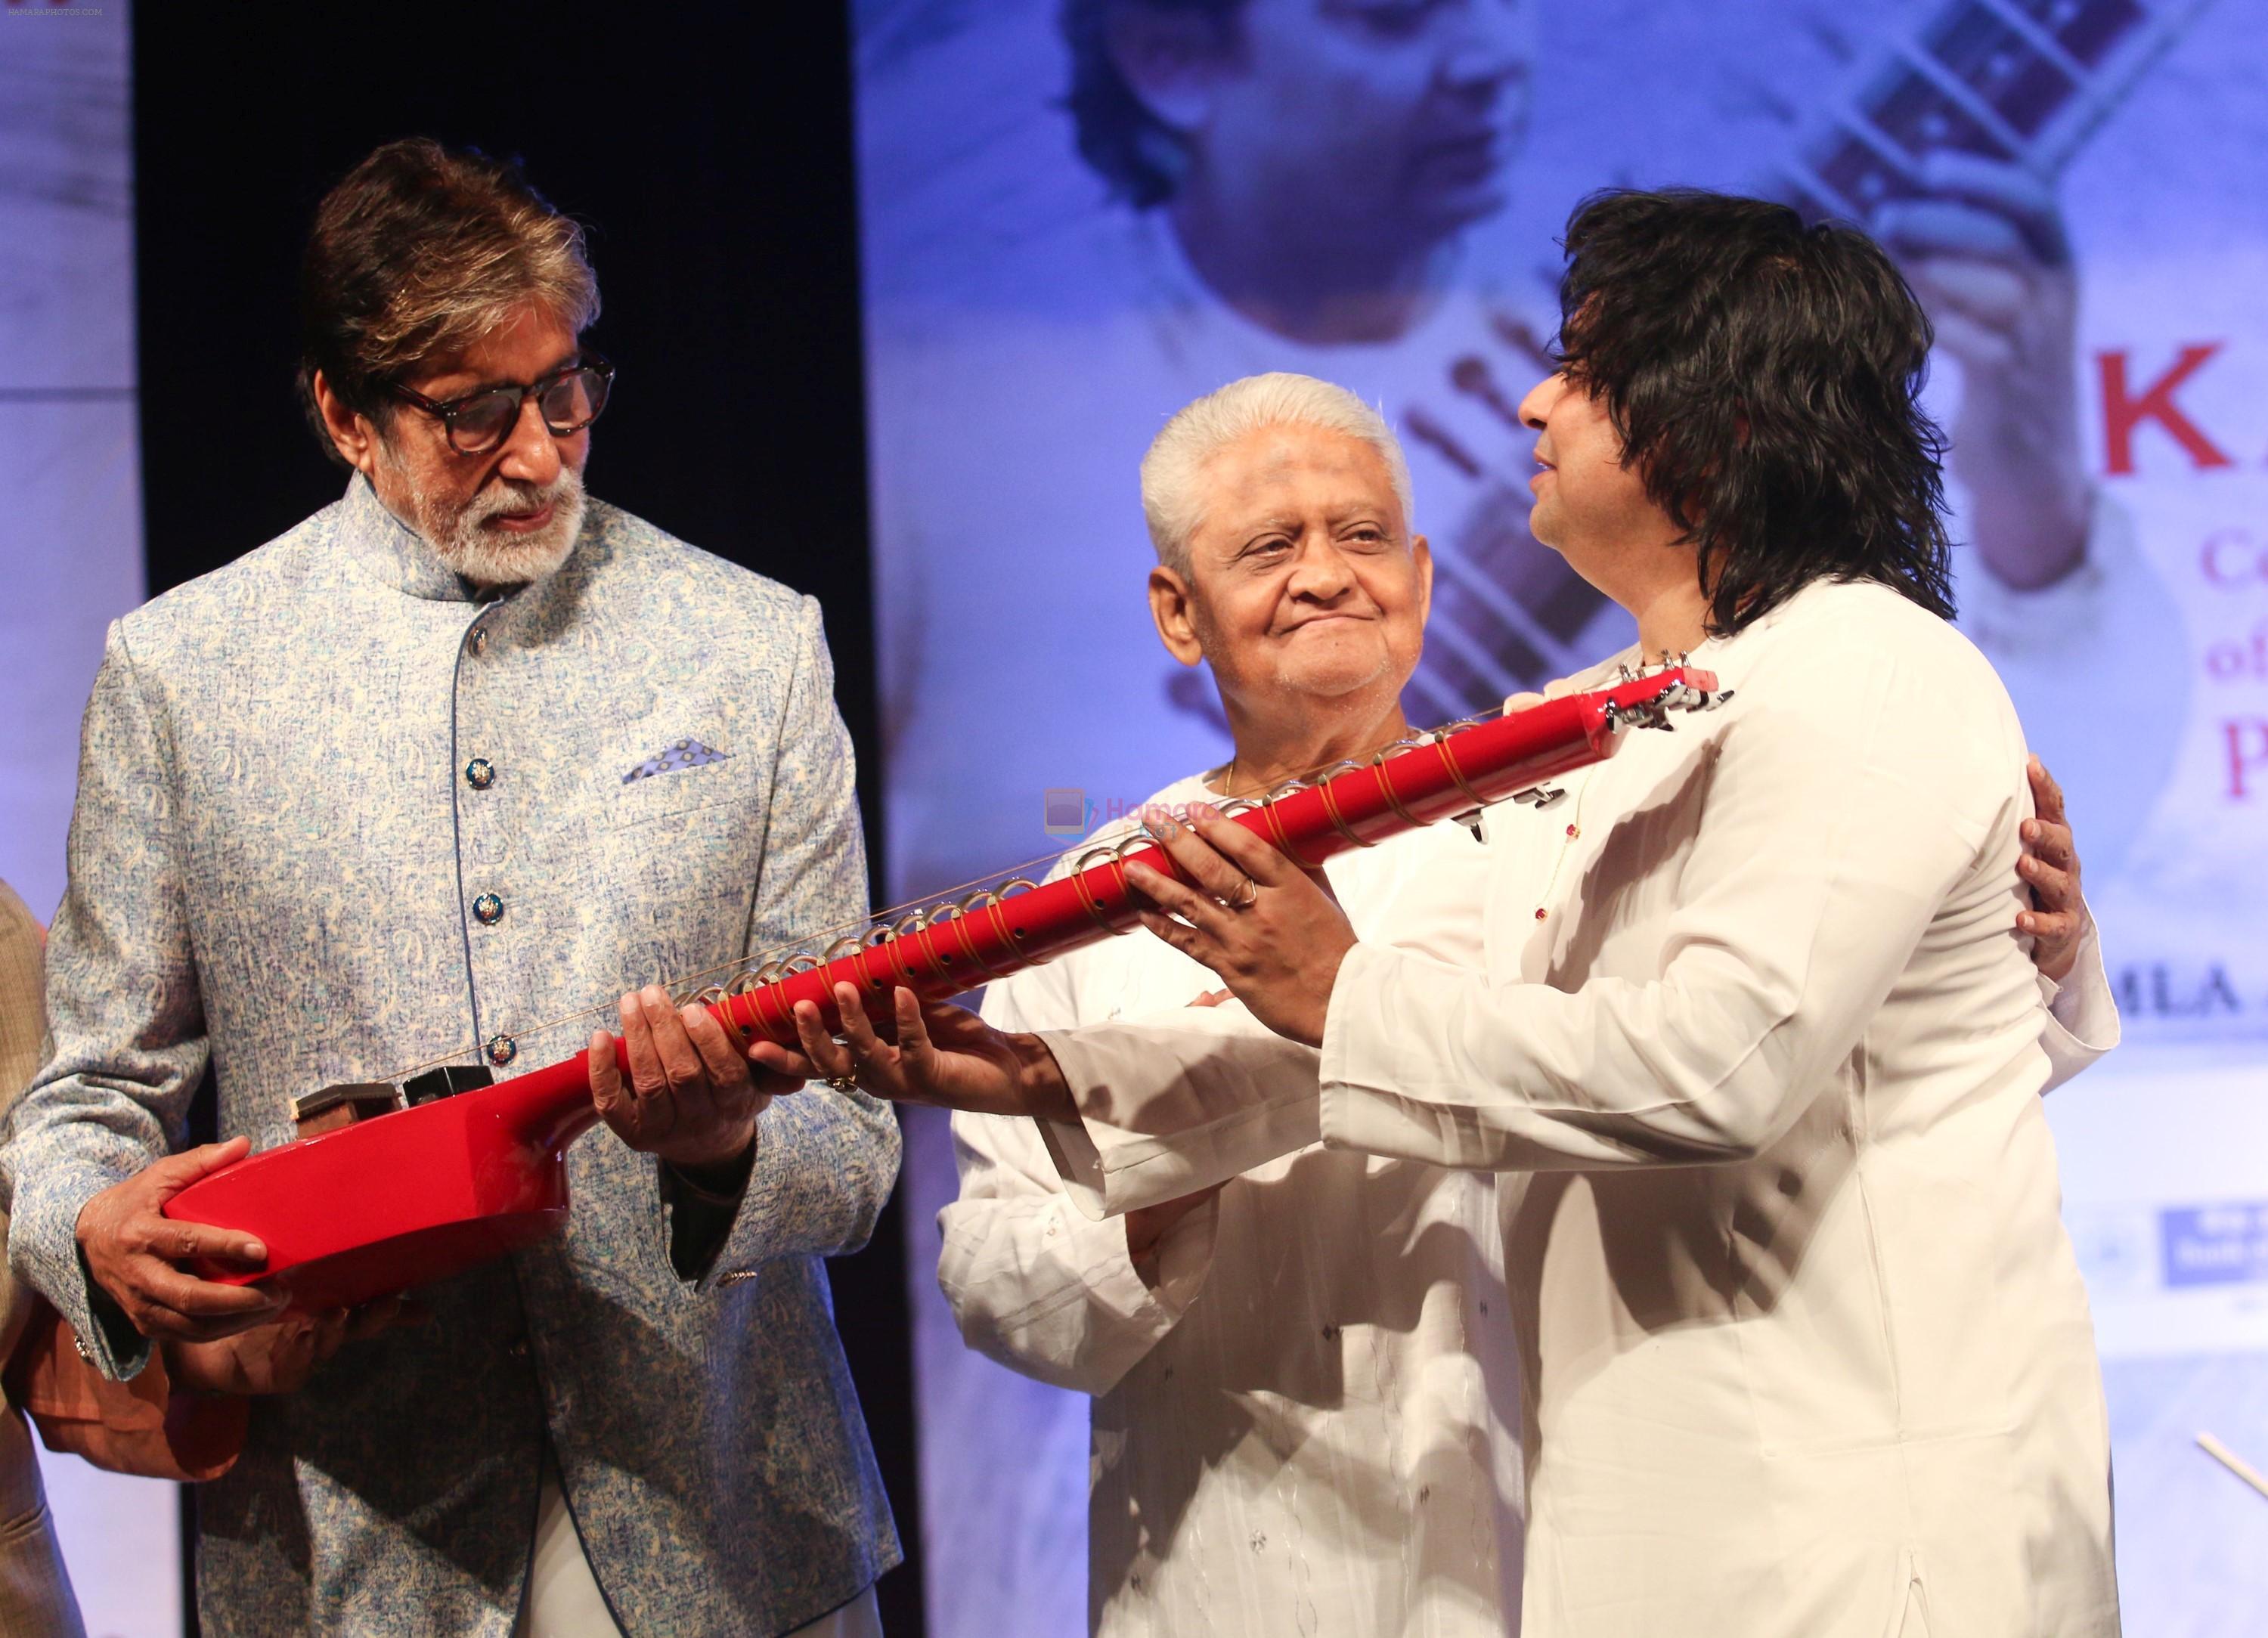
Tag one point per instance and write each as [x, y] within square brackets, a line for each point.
[71, 552]
[1070, 229]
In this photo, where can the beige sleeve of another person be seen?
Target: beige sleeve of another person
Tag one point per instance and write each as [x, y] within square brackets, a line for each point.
[36, 1589]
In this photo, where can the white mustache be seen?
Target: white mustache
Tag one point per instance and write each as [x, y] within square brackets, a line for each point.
[521, 500]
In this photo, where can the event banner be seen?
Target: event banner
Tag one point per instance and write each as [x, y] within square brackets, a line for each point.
[1080, 215]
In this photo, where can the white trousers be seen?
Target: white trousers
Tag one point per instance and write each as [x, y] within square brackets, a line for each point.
[564, 1599]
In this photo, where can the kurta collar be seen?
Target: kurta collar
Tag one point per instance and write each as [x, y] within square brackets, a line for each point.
[391, 552]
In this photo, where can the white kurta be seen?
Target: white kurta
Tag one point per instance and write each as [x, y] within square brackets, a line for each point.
[1806, 1349]
[1292, 1432]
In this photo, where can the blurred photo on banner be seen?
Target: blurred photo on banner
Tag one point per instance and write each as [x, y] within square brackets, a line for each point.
[1080, 215]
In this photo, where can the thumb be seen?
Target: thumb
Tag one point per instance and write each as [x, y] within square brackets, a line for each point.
[176, 1172]
[1519, 702]
[606, 1074]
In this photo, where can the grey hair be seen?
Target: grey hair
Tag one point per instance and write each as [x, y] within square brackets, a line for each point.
[1173, 470]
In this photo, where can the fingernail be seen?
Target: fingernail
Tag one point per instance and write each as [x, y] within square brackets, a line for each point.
[2031, 830]
[255, 1251]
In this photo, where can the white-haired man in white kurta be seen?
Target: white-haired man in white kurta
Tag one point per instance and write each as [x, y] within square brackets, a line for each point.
[1305, 1386]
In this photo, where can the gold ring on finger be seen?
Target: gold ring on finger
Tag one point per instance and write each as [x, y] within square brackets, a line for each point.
[843, 1082]
[1250, 896]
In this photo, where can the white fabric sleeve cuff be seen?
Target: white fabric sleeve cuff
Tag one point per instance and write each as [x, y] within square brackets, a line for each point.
[1055, 1296]
[1167, 1109]
[1361, 1042]
[2082, 1023]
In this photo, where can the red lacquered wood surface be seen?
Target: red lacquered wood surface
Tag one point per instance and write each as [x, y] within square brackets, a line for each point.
[407, 1198]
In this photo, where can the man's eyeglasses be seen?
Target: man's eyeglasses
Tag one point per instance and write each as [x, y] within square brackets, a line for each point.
[569, 400]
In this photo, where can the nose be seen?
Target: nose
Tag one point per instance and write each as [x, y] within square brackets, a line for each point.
[1491, 44]
[531, 454]
[1536, 408]
[1321, 574]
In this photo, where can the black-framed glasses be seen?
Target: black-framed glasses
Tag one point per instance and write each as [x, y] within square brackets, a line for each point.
[569, 400]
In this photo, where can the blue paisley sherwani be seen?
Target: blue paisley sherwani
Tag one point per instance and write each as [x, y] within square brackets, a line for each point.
[274, 861]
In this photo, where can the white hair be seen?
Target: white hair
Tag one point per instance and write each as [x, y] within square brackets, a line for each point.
[1173, 472]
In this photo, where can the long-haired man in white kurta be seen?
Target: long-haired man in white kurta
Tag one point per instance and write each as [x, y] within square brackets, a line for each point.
[1806, 1353]
[1812, 1355]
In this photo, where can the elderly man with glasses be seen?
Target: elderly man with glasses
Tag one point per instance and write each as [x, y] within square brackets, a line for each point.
[465, 751]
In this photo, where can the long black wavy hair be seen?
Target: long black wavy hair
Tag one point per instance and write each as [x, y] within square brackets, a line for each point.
[1764, 378]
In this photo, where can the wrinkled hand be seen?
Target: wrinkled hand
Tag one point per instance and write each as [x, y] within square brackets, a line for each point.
[2050, 867]
[692, 1098]
[1986, 252]
[277, 1358]
[1271, 930]
[942, 1056]
[133, 1250]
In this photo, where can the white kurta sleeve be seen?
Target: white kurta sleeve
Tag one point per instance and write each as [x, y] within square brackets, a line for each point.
[1170, 1106]
[2082, 1022]
[1849, 793]
[1034, 1281]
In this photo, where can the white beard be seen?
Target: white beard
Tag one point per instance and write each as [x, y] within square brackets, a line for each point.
[491, 557]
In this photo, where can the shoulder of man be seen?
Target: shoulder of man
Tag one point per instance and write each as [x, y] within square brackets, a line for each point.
[244, 587]
[1847, 649]
[643, 562]
[1865, 621]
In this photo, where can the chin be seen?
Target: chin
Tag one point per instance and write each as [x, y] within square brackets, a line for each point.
[489, 556]
[1543, 526]
[1332, 679]
[1452, 207]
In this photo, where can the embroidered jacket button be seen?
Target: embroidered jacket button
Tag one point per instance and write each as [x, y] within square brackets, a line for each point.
[480, 773]
[488, 909]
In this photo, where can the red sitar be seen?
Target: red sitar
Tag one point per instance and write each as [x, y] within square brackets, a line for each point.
[411, 1195]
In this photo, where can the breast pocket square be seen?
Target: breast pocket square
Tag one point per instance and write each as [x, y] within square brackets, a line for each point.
[684, 754]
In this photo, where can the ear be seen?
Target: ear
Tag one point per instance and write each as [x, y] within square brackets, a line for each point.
[1172, 60]
[1170, 598]
[354, 437]
[1424, 554]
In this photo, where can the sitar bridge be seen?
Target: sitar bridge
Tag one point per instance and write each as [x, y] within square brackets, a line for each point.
[332, 1107]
